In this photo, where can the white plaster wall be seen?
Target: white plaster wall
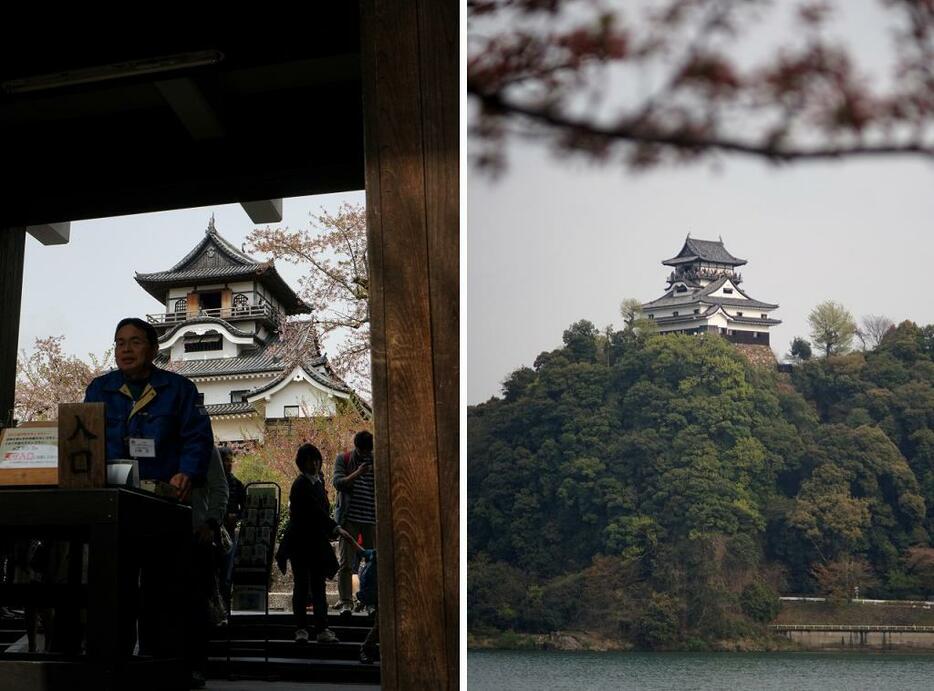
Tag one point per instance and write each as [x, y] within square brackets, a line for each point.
[719, 292]
[217, 391]
[237, 429]
[302, 394]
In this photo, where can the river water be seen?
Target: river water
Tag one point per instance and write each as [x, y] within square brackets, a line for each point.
[507, 670]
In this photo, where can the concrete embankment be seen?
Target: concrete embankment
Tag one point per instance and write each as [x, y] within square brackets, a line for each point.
[824, 637]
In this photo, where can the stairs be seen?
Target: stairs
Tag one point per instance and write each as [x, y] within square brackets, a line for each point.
[333, 663]
[11, 630]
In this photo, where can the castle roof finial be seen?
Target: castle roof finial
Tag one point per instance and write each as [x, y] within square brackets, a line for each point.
[211, 228]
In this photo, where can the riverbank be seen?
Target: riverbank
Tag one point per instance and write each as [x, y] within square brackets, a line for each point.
[792, 613]
[570, 641]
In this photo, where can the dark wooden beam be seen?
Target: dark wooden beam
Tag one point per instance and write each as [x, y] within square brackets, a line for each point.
[410, 86]
[12, 252]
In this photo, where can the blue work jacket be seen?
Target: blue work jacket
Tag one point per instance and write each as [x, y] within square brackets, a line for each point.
[167, 412]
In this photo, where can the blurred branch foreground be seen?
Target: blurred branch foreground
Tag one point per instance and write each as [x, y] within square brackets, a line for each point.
[680, 80]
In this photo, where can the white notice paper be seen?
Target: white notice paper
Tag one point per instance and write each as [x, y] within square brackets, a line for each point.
[142, 448]
[29, 447]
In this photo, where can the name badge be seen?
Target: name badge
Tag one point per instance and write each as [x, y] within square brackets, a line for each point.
[142, 448]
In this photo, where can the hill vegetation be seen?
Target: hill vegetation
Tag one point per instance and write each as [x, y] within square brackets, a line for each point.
[663, 490]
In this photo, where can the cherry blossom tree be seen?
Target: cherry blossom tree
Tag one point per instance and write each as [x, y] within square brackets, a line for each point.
[47, 377]
[649, 82]
[334, 250]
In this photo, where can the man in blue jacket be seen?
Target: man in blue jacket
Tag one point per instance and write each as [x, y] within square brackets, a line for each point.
[155, 417]
[152, 415]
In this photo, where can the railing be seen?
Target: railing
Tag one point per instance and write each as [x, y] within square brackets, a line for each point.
[852, 627]
[226, 313]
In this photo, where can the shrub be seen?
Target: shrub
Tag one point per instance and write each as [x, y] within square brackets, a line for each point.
[760, 603]
[658, 626]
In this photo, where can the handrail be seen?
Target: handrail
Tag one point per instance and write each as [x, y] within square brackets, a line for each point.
[246, 311]
[853, 627]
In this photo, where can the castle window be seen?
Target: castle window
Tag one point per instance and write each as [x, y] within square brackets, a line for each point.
[727, 290]
[674, 314]
[651, 316]
[241, 303]
[765, 316]
[205, 343]
[181, 305]
[290, 411]
[739, 314]
[697, 311]
[238, 396]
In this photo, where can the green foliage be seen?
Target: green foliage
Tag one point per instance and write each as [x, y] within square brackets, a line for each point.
[832, 327]
[760, 603]
[659, 625]
[800, 349]
[652, 485]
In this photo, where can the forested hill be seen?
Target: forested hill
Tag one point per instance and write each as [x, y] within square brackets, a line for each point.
[662, 489]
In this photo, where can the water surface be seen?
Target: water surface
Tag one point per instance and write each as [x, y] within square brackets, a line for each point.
[507, 670]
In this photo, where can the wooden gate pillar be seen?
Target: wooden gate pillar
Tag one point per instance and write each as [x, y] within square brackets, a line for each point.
[12, 253]
[411, 91]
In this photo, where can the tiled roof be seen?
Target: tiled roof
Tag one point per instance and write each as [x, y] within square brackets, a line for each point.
[230, 408]
[215, 260]
[704, 250]
[756, 320]
[256, 363]
[212, 237]
[309, 369]
[702, 296]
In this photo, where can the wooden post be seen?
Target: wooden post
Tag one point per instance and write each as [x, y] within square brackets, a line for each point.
[411, 108]
[12, 252]
[82, 459]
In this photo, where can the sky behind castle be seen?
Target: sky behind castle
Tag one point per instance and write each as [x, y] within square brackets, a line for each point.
[82, 289]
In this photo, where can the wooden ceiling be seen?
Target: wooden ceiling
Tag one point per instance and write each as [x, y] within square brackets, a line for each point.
[86, 131]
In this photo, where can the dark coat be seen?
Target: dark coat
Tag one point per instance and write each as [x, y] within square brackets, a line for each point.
[308, 536]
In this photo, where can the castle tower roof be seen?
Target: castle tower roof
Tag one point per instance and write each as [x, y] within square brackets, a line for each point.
[216, 260]
[711, 251]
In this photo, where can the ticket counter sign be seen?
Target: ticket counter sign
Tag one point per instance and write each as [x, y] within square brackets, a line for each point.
[29, 447]
[29, 454]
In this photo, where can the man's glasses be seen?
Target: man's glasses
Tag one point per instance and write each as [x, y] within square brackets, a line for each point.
[134, 343]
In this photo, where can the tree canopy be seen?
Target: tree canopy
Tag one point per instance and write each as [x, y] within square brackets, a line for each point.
[697, 483]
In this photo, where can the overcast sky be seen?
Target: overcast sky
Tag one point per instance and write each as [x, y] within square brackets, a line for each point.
[82, 289]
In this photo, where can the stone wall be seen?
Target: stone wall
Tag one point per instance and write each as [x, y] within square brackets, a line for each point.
[759, 355]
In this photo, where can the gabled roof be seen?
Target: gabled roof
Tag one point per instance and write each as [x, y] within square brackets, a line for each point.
[704, 250]
[264, 359]
[327, 379]
[234, 331]
[215, 260]
[703, 296]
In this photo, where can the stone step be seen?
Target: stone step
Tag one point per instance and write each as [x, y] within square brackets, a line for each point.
[294, 669]
[344, 650]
